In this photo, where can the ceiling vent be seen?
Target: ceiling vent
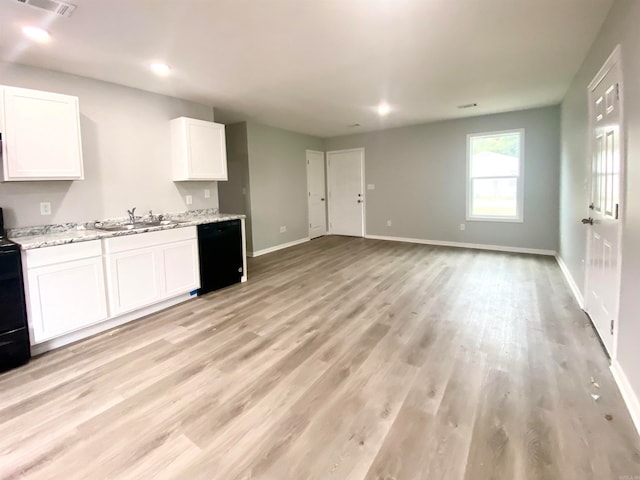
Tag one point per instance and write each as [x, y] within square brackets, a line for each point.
[54, 6]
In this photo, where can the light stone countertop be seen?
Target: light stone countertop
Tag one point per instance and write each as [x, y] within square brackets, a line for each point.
[50, 235]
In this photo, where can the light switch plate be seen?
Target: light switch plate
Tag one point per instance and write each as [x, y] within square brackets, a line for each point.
[371, 186]
[188, 199]
[207, 193]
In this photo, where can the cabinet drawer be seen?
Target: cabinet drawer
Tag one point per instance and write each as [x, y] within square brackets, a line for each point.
[149, 239]
[40, 257]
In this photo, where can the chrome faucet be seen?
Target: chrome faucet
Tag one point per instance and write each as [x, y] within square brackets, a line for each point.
[132, 215]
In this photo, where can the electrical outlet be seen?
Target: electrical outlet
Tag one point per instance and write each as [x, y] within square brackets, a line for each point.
[207, 193]
[45, 208]
[388, 223]
[462, 226]
[283, 229]
[188, 199]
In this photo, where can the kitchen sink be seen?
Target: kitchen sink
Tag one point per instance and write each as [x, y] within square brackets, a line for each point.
[132, 226]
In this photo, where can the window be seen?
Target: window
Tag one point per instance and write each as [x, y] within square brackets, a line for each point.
[494, 170]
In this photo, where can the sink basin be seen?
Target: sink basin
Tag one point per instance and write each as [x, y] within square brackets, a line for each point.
[132, 226]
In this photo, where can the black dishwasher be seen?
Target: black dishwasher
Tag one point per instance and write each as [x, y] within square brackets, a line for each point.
[220, 248]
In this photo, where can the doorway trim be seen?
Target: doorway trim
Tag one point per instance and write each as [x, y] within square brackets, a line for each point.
[362, 187]
[324, 164]
[613, 61]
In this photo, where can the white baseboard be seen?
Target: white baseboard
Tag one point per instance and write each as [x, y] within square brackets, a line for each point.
[277, 247]
[71, 337]
[572, 283]
[479, 246]
[629, 396]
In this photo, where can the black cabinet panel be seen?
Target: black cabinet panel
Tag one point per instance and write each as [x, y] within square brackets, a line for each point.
[14, 349]
[14, 336]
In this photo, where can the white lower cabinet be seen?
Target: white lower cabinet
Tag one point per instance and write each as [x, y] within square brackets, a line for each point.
[67, 286]
[147, 268]
[65, 289]
[181, 270]
[133, 280]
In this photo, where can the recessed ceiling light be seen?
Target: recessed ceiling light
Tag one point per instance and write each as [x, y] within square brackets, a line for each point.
[37, 34]
[383, 109]
[160, 68]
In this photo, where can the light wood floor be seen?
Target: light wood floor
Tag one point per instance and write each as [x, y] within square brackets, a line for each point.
[342, 358]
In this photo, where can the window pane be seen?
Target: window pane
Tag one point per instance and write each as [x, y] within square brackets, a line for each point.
[495, 155]
[496, 197]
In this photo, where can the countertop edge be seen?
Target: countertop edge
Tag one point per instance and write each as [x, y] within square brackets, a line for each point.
[88, 235]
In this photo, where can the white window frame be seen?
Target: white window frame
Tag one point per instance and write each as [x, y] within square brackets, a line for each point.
[519, 218]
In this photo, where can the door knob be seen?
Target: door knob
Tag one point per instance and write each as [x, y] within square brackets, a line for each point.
[359, 201]
[591, 206]
[587, 221]
[322, 199]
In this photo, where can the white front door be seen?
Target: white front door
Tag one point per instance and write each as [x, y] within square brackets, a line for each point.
[602, 270]
[316, 190]
[346, 192]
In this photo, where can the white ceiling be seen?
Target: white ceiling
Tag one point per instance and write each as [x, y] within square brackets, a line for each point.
[318, 66]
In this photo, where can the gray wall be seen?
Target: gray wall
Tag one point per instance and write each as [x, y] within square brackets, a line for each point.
[621, 27]
[126, 148]
[234, 194]
[419, 173]
[278, 184]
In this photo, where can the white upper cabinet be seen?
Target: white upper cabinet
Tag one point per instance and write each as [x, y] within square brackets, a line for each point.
[40, 135]
[198, 149]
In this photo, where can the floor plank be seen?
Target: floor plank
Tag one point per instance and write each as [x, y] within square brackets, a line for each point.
[341, 358]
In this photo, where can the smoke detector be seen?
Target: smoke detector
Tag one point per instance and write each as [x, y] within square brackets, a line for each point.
[54, 6]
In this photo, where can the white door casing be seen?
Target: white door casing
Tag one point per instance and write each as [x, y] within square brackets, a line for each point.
[316, 194]
[603, 262]
[345, 169]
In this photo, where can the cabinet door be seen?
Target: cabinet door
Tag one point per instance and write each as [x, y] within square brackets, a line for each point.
[180, 268]
[65, 297]
[133, 279]
[207, 150]
[42, 136]
[198, 150]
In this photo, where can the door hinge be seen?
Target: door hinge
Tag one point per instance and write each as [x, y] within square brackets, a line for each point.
[309, 193]
[617, 211]
[617, 91]
[309, 225]
[611, 327]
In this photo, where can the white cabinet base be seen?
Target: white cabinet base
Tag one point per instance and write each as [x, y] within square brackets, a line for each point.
[64, 289]
[107, 325]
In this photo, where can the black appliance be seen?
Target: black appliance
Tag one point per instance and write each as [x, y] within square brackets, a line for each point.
[220, 249]
[14, 335]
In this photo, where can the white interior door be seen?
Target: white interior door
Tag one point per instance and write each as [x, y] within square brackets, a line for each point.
[346, 192]
[603, 260]
[317, 195]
